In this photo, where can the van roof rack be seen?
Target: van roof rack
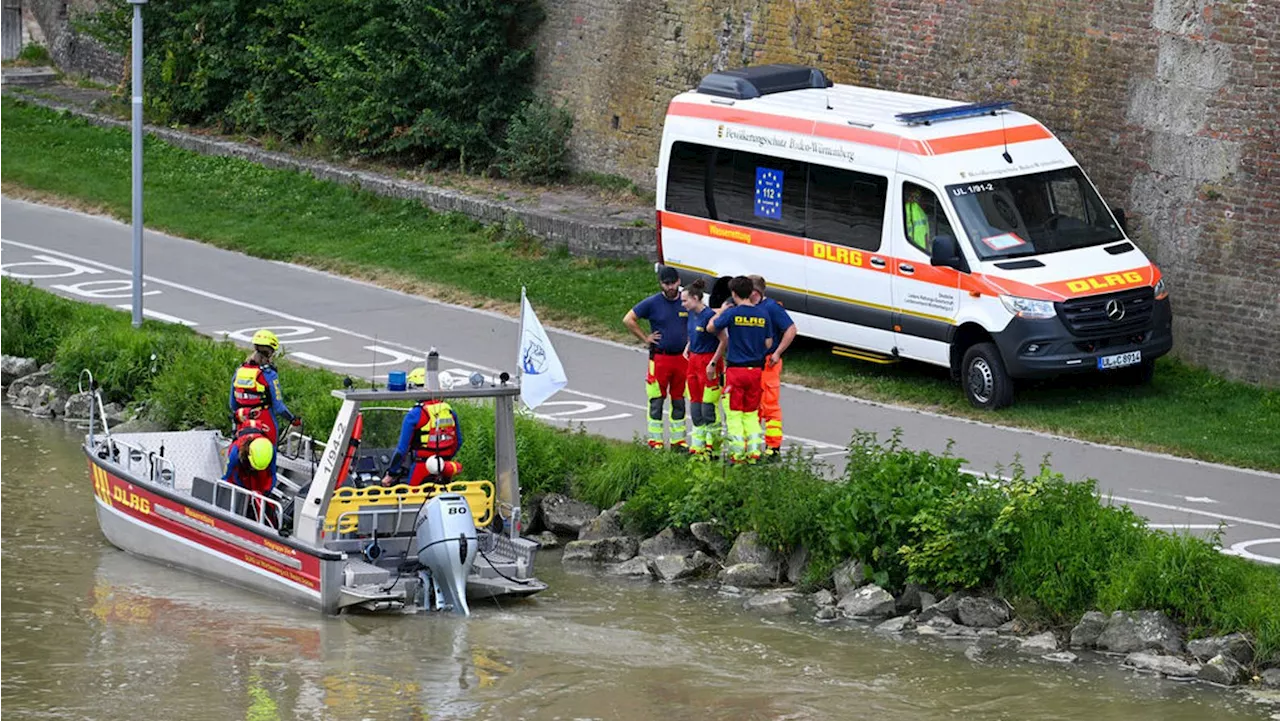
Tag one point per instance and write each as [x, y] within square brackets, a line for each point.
[753, 82]
[955, 112]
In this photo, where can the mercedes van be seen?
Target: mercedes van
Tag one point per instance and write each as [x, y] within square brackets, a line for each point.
[900, 226]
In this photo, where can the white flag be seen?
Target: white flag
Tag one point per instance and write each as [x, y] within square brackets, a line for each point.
[541, 373]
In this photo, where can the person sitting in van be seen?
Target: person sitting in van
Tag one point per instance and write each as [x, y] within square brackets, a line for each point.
[917, 219]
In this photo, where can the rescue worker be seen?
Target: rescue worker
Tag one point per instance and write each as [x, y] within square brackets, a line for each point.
[917, 220]
[784, 332]
[255, 388]
[251, 465]
[667, 365]
[432, 435]
[745, 336]
[704, 392]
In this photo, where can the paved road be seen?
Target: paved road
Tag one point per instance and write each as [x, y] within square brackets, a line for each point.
[367, 331]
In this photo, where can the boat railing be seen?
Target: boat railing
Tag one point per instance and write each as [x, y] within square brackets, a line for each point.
[240, 501]
[138, 461]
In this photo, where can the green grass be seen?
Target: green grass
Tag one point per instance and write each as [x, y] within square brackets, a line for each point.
[288, 216]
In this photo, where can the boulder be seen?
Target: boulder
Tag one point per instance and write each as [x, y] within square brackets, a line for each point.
[637, 567]
[1129, 631]
[897, 625]
[77, 406]
[678, 568]
[748, 575]
[49, 402]
[909, 599]
[1271, 678]
[1061, 657]
[565, 516]
[1017, 627]
[748, 549]
[546, 539]
[601, 550]
[1085, 634]
[849, 577]
[826, 613]
[823, 598]
[870, 601]
[12, 368]
[710, 536]
[670, 542]
[982, 612]
[1162, 664]
[139, 425]
[949, 607]
[927, 599]
[606, 525]
[1234, 645]
[1040, 643]
[31, 380]
[115, 413]
[797, 564]
[1223, 669]
[771, 603]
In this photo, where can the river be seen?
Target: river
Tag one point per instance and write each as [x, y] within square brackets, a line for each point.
[88, 632]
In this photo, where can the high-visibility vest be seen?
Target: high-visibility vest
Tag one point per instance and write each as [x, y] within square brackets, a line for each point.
[250, 387]
[437, 432]
[917, 225]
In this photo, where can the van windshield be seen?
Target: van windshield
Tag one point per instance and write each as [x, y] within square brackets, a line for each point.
[1033, 214]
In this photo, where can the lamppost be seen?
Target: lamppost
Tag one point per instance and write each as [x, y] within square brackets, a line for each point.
[137, 161]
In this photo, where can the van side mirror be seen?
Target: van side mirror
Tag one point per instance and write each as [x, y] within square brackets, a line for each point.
[1120, 218]
[946, 253]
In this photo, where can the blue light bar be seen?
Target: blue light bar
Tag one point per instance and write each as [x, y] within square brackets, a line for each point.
[925, 117]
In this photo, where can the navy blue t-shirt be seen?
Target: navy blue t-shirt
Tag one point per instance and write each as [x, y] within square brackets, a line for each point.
[701, 338]
[779, 319]
[749, 328]
[667, 317]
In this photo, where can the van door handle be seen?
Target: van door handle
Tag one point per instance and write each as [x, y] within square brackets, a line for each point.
[877, 262]
[907, 268]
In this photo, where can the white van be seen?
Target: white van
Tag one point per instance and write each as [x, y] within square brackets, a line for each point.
[902, 226]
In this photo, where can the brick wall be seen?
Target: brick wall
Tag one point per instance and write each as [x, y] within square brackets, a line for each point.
[1171, 106]
[75, 53]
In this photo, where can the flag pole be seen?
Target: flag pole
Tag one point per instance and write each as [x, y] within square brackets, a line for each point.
[520, 339]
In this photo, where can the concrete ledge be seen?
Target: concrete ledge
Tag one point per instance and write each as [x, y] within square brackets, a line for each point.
[29, 76]
[582, 238]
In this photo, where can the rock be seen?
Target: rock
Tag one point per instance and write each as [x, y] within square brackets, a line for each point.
[12, 368]
[1271, 678]
[1085, 634]
[909, 599]
[710, 536]
[870, 601]
[897, 625]
[747, 549]
[670, 542]
[565, 516]
[547, 539]
[973, 653]
[77, 406]
[31, 380]
[949, 607]
[24, 397]
[1234, 645]
[824, 598]
[748, 575]
[983, 612]
[115, 413]
[47, 368]
[1017, 627]
[1160, 663]
[927, 599]
[826, 613]
[139, 425]
[849, 577]
[797, 564]
[771, 603]
[1040, 643]
[1223, 669]
[601, 550]
[677, 568]
[606, 525]
[1061, 657]
[637, 567]
[1129, 631]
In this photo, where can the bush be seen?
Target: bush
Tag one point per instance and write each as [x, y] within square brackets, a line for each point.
[536, 147]
[34, 321]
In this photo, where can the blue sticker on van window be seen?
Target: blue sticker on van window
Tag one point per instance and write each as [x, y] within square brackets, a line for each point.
[768, 193]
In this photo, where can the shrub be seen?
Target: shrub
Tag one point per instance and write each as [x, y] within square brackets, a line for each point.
[536, 147]
[35, 321]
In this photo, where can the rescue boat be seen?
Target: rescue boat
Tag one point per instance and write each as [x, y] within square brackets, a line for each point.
[329, 536]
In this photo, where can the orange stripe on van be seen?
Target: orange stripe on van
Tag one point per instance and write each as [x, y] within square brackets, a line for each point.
[1105, 282]
[988, 139]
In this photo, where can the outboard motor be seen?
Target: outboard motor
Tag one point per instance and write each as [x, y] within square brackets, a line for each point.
[446, 547]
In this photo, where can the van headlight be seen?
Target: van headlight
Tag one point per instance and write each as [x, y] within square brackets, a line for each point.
[1162, 291]
[1028, 308]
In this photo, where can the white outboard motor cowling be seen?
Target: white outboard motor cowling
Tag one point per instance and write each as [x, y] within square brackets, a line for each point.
[446, 547]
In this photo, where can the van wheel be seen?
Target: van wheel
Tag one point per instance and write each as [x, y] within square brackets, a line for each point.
[986, 383]
[1139, 375]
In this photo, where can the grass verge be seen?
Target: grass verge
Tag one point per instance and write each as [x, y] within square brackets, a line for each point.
[1047, 544]
[282, 215]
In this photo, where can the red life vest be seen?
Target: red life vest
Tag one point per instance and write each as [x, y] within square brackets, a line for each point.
[437, 433]
[249, 387]
[243, 474]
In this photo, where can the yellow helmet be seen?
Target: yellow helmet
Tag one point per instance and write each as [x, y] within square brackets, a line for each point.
[417, 377]
[267, 338]
[260, 453]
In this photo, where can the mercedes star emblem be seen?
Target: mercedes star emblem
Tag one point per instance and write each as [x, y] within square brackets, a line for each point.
[1115, 311]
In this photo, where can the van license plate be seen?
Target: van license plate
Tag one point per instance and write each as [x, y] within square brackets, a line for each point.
[1107, 362]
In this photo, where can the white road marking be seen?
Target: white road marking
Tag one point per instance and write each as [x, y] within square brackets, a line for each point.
[1197, 511]
[1242, 549]
[1189, 526]
[160, 316]
[1198, 499]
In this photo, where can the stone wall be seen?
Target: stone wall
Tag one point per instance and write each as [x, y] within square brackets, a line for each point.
[1170, 105]
[73, 52]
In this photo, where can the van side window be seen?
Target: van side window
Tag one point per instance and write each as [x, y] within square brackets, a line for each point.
[845, 207]
[923, 217]
[687, 179]
[759, 191]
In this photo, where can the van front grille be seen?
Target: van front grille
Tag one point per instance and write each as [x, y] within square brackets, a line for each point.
[1109, 313]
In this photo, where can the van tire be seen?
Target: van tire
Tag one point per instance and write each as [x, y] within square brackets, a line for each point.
[986, 383]
[1139, 375]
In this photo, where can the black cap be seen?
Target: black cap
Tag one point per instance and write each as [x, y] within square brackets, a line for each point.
[667, 274]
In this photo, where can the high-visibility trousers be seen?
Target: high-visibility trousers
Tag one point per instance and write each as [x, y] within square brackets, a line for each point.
[770, 410]
[666, 379]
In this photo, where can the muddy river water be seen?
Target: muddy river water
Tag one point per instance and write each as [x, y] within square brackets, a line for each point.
[88, 632]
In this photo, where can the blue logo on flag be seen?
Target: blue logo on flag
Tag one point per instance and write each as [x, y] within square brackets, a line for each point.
[534, 360]
[768, 193]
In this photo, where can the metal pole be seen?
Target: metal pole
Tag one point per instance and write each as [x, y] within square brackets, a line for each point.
[137, 161]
